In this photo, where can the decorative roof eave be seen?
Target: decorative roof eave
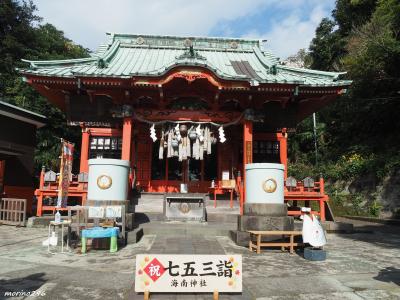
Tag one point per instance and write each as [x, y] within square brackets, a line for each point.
[76, 81]
[339, 83]
[332, 75]
[21, 114]
[32, 73]
[262, 58]
[193, 63]
[46, 79]
[103, 59]
[191, 73]
[50, 63]
[71, 79]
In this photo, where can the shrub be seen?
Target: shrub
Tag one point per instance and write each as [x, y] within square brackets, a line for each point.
[375, 208]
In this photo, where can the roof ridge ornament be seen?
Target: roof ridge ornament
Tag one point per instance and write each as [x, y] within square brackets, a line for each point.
[190, 53]
[101, 63]
[273, 70]
[140, 40]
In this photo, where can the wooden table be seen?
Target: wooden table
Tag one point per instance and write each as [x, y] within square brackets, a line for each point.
[258, 234]
[222, 190]
[101, 232]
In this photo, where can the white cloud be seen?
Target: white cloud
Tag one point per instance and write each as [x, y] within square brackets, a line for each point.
[294, 32]
[86, 21]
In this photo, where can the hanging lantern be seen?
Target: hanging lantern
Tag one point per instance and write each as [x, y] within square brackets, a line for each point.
[192, 135]
[183, 129]
[174, 143]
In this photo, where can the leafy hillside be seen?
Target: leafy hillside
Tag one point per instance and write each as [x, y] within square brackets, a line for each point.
[358, 135]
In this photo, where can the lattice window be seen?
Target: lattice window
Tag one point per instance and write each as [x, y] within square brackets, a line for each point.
[266, 151]
[105, 147]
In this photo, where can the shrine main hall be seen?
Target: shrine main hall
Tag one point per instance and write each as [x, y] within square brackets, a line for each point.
[183, 110]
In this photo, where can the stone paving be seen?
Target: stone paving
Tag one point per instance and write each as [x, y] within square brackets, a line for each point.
[359, 266]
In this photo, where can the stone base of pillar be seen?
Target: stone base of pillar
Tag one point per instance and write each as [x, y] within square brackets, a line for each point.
[260, 223]
[261, 217]
[264, 209]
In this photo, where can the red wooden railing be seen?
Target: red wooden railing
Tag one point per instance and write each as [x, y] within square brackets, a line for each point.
[50, 189]
[307, 194]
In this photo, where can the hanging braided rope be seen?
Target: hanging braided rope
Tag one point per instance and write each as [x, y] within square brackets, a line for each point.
[236, 121]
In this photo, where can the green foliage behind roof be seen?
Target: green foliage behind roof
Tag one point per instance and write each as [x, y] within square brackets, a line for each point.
[127, 55]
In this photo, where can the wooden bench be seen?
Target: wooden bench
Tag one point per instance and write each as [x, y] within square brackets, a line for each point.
[258, 235]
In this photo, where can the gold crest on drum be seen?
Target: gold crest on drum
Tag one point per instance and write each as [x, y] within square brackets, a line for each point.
[269, 185]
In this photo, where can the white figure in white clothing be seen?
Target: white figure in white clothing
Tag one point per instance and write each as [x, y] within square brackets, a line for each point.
[313, 233]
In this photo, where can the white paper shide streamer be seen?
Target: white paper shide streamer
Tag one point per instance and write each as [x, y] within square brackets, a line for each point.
[185, 143]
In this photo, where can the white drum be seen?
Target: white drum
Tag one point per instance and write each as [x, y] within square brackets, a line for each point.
[108, 179]
[265, 183]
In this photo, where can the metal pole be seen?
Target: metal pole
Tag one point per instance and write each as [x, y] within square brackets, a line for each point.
[315, 139]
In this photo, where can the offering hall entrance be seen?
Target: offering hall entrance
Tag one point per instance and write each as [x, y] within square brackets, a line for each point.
[189, 170]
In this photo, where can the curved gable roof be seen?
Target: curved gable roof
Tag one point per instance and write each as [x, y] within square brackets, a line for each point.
[128, 55]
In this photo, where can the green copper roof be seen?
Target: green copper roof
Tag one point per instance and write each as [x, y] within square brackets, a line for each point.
[127, 55]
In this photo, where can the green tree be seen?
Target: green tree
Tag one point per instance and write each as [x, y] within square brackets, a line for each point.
[359, 132]
[17, 37]
[327, 47]
[349, 14]
[329, 44]
[22, 36]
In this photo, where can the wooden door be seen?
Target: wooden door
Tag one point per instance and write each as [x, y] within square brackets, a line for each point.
[225, 155]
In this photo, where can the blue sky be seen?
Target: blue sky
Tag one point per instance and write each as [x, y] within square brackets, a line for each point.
[288, 25]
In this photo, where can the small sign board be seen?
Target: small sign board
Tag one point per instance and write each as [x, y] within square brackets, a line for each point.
[96, 212]
[225, 175]
[114, 211]
[188, 273]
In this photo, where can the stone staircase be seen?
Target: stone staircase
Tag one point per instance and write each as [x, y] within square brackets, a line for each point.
[149, 217]
[151, 205]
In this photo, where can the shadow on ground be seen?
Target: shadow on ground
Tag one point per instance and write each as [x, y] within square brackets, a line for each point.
[9, 288]
[389, 274]
[381, 235]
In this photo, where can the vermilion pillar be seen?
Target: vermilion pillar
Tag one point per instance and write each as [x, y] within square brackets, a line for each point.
[247, 156]
[126, 139]
[283, 150]
[322, 200]
[84, 150]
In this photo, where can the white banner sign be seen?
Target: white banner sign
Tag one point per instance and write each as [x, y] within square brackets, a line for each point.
[188, 273]
[96, 212]
[114, 211]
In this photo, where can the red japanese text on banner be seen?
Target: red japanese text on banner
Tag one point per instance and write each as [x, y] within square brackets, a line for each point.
[67, 151]
[188, 273]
